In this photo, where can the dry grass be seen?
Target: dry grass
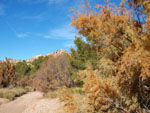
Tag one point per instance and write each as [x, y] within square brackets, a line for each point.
[74, 99]
[14, 92]
[70, 105]
[52, 94]
[58, 93]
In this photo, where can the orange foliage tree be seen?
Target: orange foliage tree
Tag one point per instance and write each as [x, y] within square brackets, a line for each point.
[7, 73]
[122, 37]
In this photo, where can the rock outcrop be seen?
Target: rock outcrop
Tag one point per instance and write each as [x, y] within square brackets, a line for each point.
[56, 53]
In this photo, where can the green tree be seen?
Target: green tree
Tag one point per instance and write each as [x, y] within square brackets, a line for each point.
[82, 55]
[22, 69]
[36, 64]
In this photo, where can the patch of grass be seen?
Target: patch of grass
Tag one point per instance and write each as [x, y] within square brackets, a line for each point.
[14, 92]
[74, 100]
[57, 93]
[8, 95]
[76, 90]
[52, 94]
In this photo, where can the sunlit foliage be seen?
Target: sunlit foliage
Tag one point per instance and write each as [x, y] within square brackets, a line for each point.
[120, 82]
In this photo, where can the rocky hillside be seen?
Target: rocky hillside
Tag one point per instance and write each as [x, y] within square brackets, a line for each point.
[42, 72]
[55, 54]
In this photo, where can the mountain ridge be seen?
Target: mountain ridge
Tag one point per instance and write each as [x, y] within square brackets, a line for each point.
[55, 53]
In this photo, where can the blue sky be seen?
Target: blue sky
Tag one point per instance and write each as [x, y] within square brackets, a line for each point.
[32, 27]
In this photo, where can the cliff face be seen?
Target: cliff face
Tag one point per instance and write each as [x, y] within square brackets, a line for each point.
[55, 54]
[33, 58]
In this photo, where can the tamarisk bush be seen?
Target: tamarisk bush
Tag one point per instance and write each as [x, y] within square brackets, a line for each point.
[121, 37]
[7, 73]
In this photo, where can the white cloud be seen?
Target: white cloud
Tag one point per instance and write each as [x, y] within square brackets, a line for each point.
[16, 33]
[64, 32]
[23, 35]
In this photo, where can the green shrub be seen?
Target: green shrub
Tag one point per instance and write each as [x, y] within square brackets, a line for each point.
[79, 83]
[76, 90]
[9, 95]
[58, 93]
[83, 54]
[52, 94]
[37, 63]
[14, 92]
[22, 68]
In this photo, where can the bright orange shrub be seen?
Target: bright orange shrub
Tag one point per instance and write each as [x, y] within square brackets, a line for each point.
[123, 39]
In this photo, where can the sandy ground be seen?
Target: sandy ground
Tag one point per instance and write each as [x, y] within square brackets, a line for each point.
[3, 101]
[32, 102]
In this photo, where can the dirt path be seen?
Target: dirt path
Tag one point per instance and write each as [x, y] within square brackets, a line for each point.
[32, 102]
